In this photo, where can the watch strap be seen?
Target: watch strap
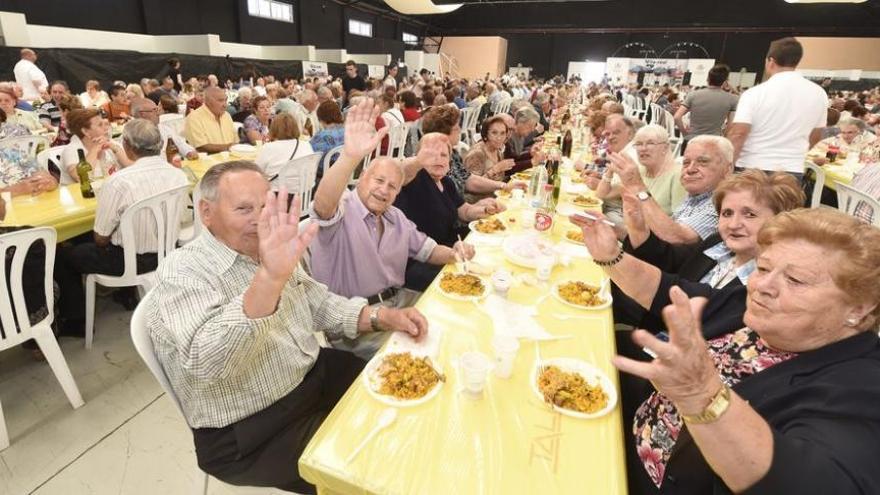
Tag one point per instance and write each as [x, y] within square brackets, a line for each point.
[717, 406]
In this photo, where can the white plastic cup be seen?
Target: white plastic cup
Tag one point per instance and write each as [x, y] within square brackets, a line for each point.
[544, 266]
[475, 368]
[505, 347]
[502, 280]
[517, 195]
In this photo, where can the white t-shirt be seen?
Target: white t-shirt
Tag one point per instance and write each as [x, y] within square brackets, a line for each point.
[31, 79]
[782, 112]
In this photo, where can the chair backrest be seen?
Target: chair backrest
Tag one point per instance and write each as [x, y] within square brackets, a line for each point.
[330, 157]
[143, 344]
[14, 318]
[299, 176]
[502, 106]
[197, 217]
[165, 208]
[306, 260]
[819, 177]
[51, 155]
[396, 141]
[858, 204]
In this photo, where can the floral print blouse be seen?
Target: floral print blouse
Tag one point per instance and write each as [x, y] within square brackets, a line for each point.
[657, 424]
[252, 123]
[15, 166]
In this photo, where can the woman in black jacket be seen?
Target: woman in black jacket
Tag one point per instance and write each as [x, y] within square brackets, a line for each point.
[786, 404]
[743, 202]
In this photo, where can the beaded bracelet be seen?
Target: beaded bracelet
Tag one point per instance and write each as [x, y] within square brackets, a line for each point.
[610, 263]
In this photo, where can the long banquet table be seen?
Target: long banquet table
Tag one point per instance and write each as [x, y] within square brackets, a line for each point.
[509, 441]
[66, 209]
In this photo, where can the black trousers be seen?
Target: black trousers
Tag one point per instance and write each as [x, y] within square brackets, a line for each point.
[73, 261]
[264, 449]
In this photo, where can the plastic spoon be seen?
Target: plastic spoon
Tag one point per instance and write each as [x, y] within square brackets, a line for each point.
[385, 419]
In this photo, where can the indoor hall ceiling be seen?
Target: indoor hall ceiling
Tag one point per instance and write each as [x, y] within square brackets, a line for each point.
[524, 16]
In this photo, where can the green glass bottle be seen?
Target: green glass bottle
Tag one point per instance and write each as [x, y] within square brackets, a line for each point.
[82, 171]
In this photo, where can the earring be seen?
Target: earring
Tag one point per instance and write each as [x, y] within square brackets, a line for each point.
[852, 321]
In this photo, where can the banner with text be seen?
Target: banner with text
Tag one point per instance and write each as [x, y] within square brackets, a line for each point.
[315, 69]
[376, 71]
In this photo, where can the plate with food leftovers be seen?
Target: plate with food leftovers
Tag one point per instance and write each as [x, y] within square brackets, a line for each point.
[402, 379]
[573, 387]
[581, 295]
[575, 236]
[586, 201]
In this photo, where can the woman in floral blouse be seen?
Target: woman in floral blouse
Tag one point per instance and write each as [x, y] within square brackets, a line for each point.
[785, 404]
[256, 125]
[332, 131]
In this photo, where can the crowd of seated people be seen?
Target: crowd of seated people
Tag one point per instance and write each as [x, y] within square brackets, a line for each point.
[718, 217]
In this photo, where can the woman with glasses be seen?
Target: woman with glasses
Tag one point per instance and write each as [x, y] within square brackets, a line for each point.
[660, 173]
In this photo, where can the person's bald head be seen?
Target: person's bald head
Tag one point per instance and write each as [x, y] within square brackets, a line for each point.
[28, 54]
[379, 185]
[215, 100]
[144, 108]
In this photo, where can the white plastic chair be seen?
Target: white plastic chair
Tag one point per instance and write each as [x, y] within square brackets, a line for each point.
[299, 176]
[396, 142]
[14, 310]
[502, 107]
[165, 209]
[143, 344]
[469, 118]
[850, 200]
[329, 158]
[819, 177]
[52, 155]
[190, 233]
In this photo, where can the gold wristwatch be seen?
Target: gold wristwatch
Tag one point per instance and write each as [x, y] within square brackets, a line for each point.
[717, 406]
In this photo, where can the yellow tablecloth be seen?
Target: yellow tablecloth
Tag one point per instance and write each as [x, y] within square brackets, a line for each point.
[842, 173]
[66, 209]
[508, 442]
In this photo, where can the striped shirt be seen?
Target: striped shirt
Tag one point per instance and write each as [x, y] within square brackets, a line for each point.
[222, 365]
[867, 180]
[144, 178]
[698, 213]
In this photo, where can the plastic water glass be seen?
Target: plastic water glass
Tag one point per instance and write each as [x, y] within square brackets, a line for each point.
[527, 218]
[475, 368]
[505, 347]
[517, 195]
[544, 266]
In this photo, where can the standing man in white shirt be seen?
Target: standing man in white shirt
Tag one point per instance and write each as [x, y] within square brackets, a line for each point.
[32, 80]
[779, 120]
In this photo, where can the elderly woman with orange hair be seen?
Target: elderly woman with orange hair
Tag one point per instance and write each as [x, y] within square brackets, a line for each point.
[784, 402]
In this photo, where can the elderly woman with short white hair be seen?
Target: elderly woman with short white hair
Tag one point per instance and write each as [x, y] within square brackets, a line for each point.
[659, 172]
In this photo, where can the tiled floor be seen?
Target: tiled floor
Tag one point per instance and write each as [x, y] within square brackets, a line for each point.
[127, 439]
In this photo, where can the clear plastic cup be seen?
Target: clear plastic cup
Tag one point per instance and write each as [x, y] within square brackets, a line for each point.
[505, 347]
[475, 368]
[527, 218]
[517, 195]
[502, 280]
[544, 266]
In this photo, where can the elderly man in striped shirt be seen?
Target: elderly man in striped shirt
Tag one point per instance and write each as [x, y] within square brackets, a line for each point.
[233, 324]
[149, 174]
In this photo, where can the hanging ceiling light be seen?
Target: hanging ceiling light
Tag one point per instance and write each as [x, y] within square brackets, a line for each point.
[415, 7]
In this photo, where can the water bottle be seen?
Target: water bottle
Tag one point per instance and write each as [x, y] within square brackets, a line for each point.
[536, 185]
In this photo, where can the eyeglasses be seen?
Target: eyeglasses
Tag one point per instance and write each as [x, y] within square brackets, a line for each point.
[639, 144]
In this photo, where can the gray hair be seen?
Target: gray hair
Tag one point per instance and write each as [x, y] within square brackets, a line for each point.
[852, 121]
[245, 91]
[142, 137]
[209, 186]
[722, 146]
[324, 90]
[542, 98]
[526, 114]
[652, 131]
[307, 95]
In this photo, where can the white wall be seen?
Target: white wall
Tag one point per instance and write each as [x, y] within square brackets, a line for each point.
[417, 60]
[370, 59]
[15, 31]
